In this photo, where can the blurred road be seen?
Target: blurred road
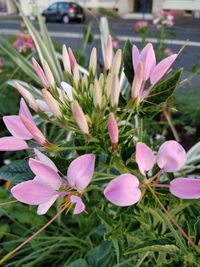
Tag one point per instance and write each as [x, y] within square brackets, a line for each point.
[72, 35]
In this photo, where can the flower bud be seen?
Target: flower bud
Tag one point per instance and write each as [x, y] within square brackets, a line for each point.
[76, 75]
[68, 90]
[79, 117]
[72, 59]
[85, 81]
[117, 62]
[115, 91]
[40, 73]
[52, 103]
[27, 96]
[49, 74]
[97, 95]
[34, 130]
[108, 53]
[66, 60]
[137, 81]
[108, 85]
[113, 130]
[101, 80]
[93, 61]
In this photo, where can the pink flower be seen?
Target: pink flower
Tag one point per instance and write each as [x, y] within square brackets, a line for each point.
[22, 127]
[47, 185]
[23, 43]
[168, 52]
[164, 18]
[151, 71]
[124, 190]
[140, 25]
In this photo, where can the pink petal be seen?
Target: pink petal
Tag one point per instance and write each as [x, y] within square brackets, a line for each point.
[40, 73]
[45, 174]
[144, 157]
[34, 130]
[113, 128]
[186, 188]
[135, 57]
[44, 207]
[160, 69]
[68, 90]
[43, 105]
[12, 144]
[25, 111]
[32, 192]
[79, 207]
[72, 59]
[16, 127]
[171, 156]
[80, 171]
[44, 159]
[148, 59]
[123, 190]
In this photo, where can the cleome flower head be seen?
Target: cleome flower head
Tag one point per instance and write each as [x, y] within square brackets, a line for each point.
[47, 185]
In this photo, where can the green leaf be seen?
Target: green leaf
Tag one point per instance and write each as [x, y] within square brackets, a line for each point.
[105, 218]
[128, 65]
[161, 245]
[78, 263]
[101, 255]
[164, 89]
[17, 171]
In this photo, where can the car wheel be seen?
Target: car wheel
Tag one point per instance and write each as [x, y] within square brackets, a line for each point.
[65, 19]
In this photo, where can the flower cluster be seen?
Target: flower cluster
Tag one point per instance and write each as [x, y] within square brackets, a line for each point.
[88, 105]
[24, 42]
[164, 18]
[125, 190]
[140, 25]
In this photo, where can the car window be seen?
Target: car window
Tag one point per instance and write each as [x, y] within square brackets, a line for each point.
[62, 6]
[53, 7]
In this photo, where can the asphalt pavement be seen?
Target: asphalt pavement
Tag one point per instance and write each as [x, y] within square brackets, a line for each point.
[72, 35]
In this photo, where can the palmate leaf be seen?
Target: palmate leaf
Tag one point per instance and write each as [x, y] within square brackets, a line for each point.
[127, 58]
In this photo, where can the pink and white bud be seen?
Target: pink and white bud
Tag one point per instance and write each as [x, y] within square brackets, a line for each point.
[108, 85]
[27, 96]
[137, 82]
[108, 53]
[51, 103]
[117, 62]
[34, 130]
[115, 91]
[93, 61]
[40, 73]
[97, 95]
[72, 59]
[66, 60]
[85, 81]
[113, 129]
[79, 117]
[68, 90]
[76, 75]
[49, 74]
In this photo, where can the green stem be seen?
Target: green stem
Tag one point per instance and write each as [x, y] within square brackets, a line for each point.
[174, 222]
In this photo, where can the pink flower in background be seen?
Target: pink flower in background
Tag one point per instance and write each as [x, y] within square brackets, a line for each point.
[1, 65]
[24, 42]
[139, 25]
[115, 43]
[22, 127]
[168, 52]
[145, 68]
[124, 190]
[47, 185]
[164, 18]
